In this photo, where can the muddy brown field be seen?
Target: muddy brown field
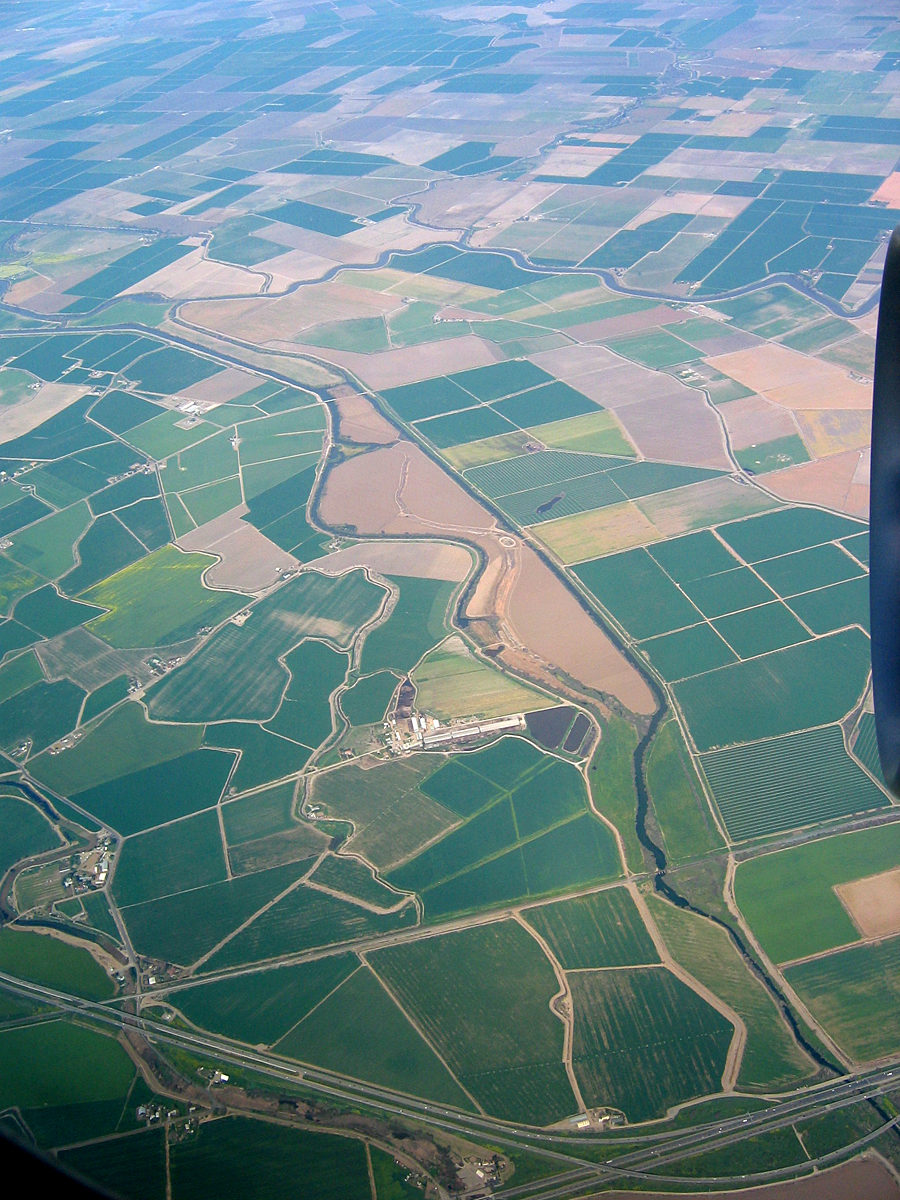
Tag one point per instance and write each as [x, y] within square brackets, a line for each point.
[360, 420]
[832, 482]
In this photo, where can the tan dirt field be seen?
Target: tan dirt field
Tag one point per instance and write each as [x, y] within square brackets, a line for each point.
[754, 420]
[651, 318]
[39, 406]
[628, 383]
[590, 534]
[400, 490]
[701, 504]
[862, 1179]
[250, 562]
[391, 368]
[873, 903]
[828, 482]
[551, 623]
[572, 362]
[792, 379]
[834, 430]
[194, 275]
[227, 385]
[889, 192]
[423, 560]
[680, 428]
[360, 420]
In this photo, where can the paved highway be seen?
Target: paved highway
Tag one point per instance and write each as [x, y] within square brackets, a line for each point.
[647, 1153]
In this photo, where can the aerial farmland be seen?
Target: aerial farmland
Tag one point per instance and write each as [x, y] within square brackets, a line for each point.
[437, 752]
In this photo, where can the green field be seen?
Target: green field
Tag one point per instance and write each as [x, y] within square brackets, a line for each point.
[236, 674]
[305, 918]
[173, 858]
[802, 686]
[644, 1041]
[123, 742]
[391, 816]
[183, 927]
[414, 626]
[481, 996]
[366, 702]
[53, 963]
[358, 1030]
[772, 1059]
[787, 782]
[259, 815]
[257, 1159]
[786, 531]
[97, 1068]
[260, 1008]
[304, 714]
[264, 756]
[688, 652]
[47, 546]
[41, 714]
[159, 600]
[352, 878]
[24, 831]
[160, 793]
[809, 917]
[601, 930]
[679, 805]
[616, 580]
[134, 1165]
[855, 994]
[613, 792]
[527, 831]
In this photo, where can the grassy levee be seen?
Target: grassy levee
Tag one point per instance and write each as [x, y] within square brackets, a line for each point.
[600, 930]
[772, 1059]
[611, 776]
[181, 928]
[644, 1041]
[261, 1007]
[855, 993]
[122, 743]
[809, 917]
[678, 803]
[481, 996]
[360, 1031]
[53, 963]
[254, 1159]
[236, 674]
[767, 1152]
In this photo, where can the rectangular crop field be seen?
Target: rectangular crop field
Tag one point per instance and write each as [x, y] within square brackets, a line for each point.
[788, 782]
[603, 929]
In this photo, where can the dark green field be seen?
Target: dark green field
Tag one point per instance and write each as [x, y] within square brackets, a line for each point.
[256, 1159]
[24, 831]
[54, 964]
[679, 805]
[173, 858]
[644, 1041]
[601, 930]
[262, 1007]
[481, 997]
[360, 1031]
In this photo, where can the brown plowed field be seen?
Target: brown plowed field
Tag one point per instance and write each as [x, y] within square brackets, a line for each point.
[828, 482]
[873, 903]
[360, 420]
[399, 490]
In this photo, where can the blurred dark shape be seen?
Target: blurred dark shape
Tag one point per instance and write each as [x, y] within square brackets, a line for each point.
[40, 1175]
[884, 516]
